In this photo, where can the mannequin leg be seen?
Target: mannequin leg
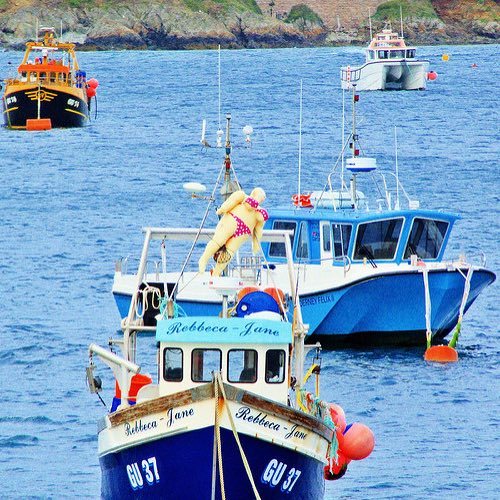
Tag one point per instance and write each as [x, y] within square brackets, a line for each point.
[223, 232]
[232, 246]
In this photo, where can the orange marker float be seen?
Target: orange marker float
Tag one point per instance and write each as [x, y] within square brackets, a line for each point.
[441, 354]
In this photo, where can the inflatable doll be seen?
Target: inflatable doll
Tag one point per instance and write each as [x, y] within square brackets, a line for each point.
[241, 218]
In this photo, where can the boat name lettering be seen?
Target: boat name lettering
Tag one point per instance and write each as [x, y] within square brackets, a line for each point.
[245, 414]
[138, 426]
[9, 100]
[195, 326]
[178, 415]
[150, 471]
[275, 471]
[310, 301]
[251, 328]
[295, 433]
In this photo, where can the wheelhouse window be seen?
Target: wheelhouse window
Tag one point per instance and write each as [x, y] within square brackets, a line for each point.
[275, 366]
[378, 240]
[172, 364]
[341, 238]
[302, 251]
[426, 238]
[203, 363]
[327, 237]
[242, 365]
[397, 54]
[383, 54]
[278, 249]
[371, 54]
[410, 54]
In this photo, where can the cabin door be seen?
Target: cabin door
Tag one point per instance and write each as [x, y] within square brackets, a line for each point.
[326, 243]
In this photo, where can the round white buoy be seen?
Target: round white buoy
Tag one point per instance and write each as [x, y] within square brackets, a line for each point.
[194, 187]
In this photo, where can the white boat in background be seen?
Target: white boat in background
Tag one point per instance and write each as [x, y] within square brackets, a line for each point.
[390, 64]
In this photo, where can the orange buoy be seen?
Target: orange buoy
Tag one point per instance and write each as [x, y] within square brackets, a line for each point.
[278, 295]
[138, 380]
[38, 124]
[246, 290]
[337, 415]
[335, 470]
[432, 75]
[441, 354]
[359, 441]
[91, 92]
[93, 83]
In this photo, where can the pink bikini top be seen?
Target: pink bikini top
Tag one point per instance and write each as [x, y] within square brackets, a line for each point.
[254, 204]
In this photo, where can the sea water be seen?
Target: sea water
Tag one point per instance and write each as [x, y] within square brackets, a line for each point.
[74, 201]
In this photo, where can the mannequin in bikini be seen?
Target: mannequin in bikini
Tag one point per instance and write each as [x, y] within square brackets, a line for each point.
[241, 218]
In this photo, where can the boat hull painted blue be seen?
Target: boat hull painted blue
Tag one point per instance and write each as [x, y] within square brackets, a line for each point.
[386, 309]
[390, 309]
[184, 469]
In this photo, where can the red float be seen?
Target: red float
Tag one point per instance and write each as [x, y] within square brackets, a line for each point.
[441, 354]
[359, 441]
[335, 470]
[92, 83]
[246, 290]
[432, 75]
[91, 92]
[338, 416]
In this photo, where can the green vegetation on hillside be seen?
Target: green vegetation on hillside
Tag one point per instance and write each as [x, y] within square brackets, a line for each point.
[79, 3]
[420, 9]
[212, 6]
[303, 16]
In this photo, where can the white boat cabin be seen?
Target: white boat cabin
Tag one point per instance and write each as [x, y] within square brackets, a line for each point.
[387, 45]
[251, 354]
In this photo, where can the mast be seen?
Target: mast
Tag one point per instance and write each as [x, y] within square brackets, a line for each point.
[401, 19]
[229, 185]
[220, 133]
[370, 23]
[300, 140]
[354, 138]
[397, 207]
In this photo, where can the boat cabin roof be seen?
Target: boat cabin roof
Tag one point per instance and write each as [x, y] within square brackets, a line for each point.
[234, 331]
[49, 67]
[387, 38]
[322, 235]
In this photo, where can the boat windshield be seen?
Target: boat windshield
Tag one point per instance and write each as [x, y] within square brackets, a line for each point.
[426, 238]
[242, 365]
[410, 54]
[278, 249]
[378, 240]
[397, 54]
[172, 364]
[204, 362]
[341, 237]
[302, 251]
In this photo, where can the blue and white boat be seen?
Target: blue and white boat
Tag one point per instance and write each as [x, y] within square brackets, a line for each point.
[229, 415]
[363, 270]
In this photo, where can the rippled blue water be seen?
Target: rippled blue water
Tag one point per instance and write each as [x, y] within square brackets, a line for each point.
[73, 201]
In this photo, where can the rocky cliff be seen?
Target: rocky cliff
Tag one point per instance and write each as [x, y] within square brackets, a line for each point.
[179, 24]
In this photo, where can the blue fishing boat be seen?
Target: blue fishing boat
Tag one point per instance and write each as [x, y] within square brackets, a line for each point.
[229, 415]
[369, 273]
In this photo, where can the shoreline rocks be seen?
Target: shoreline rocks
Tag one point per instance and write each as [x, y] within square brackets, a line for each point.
[162, 26]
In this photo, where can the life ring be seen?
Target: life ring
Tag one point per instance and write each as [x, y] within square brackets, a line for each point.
[302, 200]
